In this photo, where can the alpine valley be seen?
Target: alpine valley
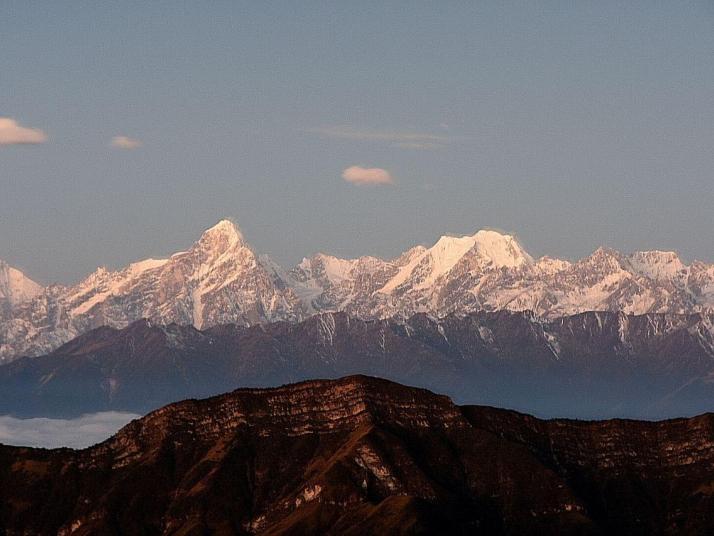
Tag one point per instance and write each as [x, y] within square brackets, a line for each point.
[221, 280]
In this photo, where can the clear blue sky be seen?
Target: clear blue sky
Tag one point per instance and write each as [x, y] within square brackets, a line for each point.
[571, 126]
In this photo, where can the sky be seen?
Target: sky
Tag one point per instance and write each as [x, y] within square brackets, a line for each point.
[353, 128]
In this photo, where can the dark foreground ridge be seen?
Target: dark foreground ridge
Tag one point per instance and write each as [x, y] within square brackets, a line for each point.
[591, 365]
[361, 455]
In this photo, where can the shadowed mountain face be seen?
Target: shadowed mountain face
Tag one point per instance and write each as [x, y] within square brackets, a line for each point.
[588, 365]
[361, 455]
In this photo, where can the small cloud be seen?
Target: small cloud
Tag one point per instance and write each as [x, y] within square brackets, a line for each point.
[53, 433]
[12, 133]
[361, 176]
[124, 142]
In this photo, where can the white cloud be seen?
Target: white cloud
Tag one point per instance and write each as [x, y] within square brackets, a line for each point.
[361, 176]
[401, 139]
[125, 142]
[12, 133]
[53, 433]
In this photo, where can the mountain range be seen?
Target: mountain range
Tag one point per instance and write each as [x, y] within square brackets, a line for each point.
[590, 365]
[220, 279]
[361, 455]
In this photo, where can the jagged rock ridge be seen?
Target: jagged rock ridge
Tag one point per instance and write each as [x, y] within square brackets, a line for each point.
[361, 455]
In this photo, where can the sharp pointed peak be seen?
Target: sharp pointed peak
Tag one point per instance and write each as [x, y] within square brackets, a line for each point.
[226, 227]
[4, 265]
[222, 236]
[605, 251]
[609, 250]
[15, 285]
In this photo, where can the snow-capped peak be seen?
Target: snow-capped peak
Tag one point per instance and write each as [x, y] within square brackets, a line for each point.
[222, 243]
[225, 233]
[327, 268]
[658, 265]
[448, 250]
[490, 249]
[549, 265]
[503, 250]
[15, 286]
[605, 258]
[336, 270]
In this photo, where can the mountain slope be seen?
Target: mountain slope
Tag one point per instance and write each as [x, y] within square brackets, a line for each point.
[220, 279]
[587, 365]
[361, 455]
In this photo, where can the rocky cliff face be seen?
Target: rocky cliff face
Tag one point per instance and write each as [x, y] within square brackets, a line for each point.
[220, 279]
[586, 365]
[365, 456]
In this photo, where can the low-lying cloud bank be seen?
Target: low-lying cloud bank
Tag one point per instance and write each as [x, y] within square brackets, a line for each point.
[81, 432]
